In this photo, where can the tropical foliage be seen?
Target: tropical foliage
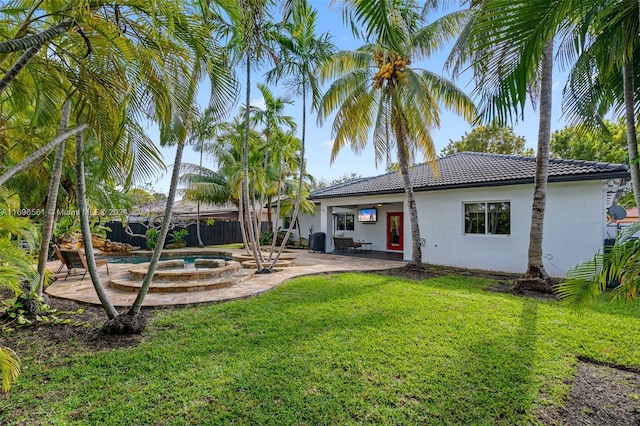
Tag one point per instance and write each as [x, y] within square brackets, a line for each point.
[617, 267]
[16, 270]
[376, 89]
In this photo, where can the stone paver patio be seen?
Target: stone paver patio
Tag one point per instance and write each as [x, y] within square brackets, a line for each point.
[303, 263]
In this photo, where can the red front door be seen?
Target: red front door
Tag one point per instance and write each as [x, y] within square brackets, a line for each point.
[394, 231]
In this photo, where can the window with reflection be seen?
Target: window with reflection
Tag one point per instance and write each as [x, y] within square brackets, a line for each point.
[487, 218]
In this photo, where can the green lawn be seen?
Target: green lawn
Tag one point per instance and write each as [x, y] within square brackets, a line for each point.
[228, 246]
[335, 349]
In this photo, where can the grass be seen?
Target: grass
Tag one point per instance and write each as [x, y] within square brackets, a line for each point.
[228, 246]
[335, 349]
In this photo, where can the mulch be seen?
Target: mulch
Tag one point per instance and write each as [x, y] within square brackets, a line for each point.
[601, 394]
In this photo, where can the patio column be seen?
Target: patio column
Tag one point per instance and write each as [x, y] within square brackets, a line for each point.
[407, 253]
[326, 226]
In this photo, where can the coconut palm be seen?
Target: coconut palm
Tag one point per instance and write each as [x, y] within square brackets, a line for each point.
[603, 78]
[301, 53]
[377, 88]
[510, 47]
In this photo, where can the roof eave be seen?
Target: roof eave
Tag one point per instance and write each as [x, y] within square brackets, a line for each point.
[557, 178]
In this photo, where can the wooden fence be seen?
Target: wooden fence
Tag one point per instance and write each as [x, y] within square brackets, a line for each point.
[220, 232]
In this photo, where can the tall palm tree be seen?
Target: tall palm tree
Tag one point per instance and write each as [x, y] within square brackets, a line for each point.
[144, 65]
[604, 78]
[272, 118]
[229, 153]
[509, 45]
[377, 89]
[301, 53]
[251, 35]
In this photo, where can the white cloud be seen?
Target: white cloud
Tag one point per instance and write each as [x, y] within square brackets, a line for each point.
[555, 85]
[328, 144]
[258, 103]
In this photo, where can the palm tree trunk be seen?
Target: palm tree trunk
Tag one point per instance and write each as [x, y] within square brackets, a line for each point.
[28, 42]
[535, 267]
[253, 241]
[18, 66]
[274, 228]
[632, 137]
[86, 231]
[296, 208]
[200, 243]
[403, 162]
[243, 230]
[269, 216]
[50, 210]
[164, 230]
[39, 154]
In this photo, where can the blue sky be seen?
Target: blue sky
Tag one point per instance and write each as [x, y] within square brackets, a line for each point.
[319, 139]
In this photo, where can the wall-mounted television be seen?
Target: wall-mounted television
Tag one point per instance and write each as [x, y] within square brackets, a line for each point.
[369, 215]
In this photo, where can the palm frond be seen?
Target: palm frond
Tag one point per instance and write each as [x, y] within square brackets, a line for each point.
[9, 366]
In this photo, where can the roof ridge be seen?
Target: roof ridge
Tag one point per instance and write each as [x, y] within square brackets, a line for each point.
[493, 154]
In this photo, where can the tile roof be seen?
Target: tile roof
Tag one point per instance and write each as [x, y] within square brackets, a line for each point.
[475, 169]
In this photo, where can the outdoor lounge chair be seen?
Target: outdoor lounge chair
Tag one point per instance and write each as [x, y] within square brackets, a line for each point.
[75, 259]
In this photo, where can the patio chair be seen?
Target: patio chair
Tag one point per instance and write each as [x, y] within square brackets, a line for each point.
[63, 262]
[75, 259]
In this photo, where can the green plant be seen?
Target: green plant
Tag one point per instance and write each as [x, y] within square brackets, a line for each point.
[10, 367]
[64, 228]
[28, 309]
[266, 238]
[179, 236]
[152, 238]
[97, 228]
[618, 267]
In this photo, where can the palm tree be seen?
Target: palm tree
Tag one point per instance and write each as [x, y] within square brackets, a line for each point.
[619, 267]
[15, 268]
[378, 89]
[509, 45]
[302, 52]
[49, 216]
[271, 117]
[604, 78]
[251, 34]
[284, 154]
[229, 153]
[142, 65]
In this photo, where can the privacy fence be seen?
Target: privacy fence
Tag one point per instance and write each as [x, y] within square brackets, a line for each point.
[220, 232]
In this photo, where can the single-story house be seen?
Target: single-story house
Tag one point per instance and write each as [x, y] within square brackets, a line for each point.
[475, 212]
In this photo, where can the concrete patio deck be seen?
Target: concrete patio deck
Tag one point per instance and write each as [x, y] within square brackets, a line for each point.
[303, 263]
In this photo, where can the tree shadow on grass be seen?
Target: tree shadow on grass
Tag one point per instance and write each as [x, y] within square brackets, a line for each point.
[497, 372]
[431, 385]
